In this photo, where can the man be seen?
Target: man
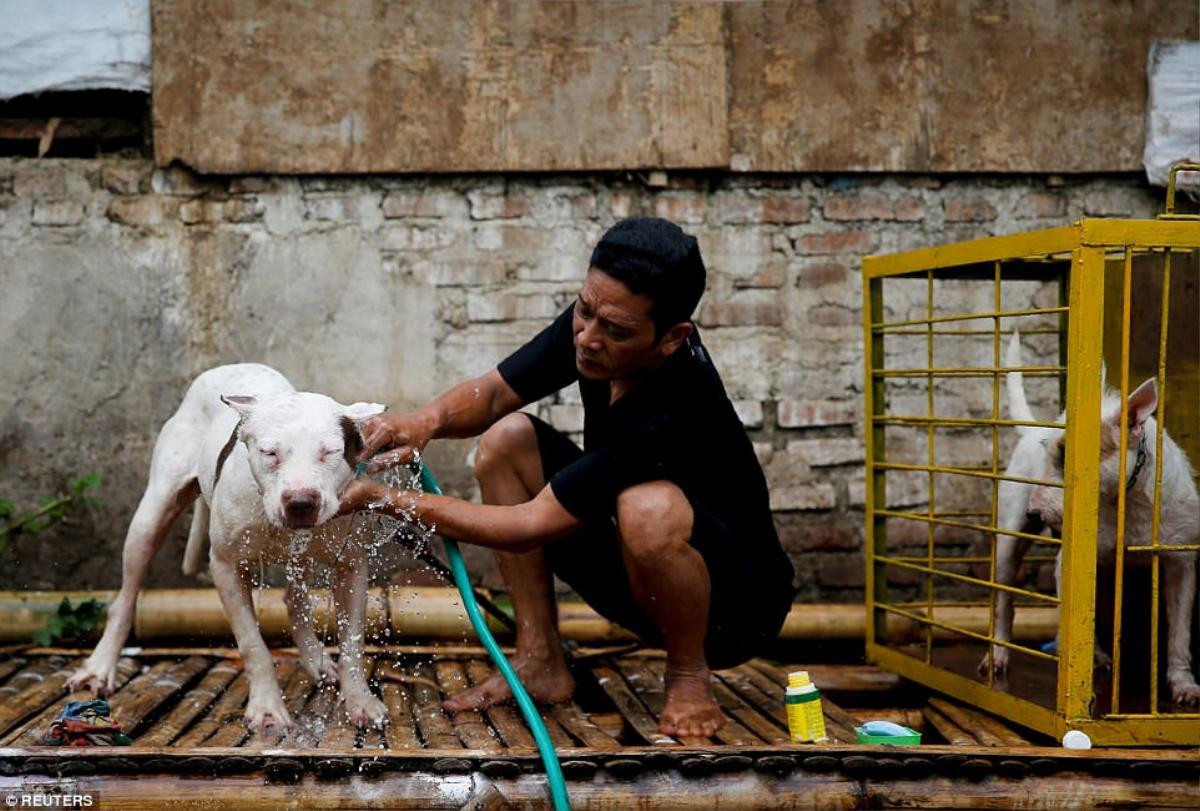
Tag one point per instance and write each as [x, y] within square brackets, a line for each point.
[661, 522]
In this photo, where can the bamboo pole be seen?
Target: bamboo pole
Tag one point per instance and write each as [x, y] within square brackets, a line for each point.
[401, 732]
[952, 732]
[412, 612]
[432, 722]
[468, 724]
[226, 709]
[575, 721]
[148, 691]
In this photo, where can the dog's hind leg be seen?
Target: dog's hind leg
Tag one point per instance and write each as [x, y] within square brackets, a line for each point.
[1179, 592]
[312, 653]
[172, 487]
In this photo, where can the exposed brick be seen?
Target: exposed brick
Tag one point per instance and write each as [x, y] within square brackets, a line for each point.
[819, 535]
[620, 205]
[813, 496]
[1039, 205]
[735, 313]
[507, 306]
[1107, 203]
[124, 178]
[521, 239]
[838, 242]
[815, 413]
[840, 569]
[57, 212]
[739, 208]
[969, 209]
[400, 204]
[459, 273]
[909, 209]
[571, 205]
[823, 273]
[245, 209]
[492, 206]
[250, 184]
[681, 208]
[833, 315]
[763, 451]
[750, 412]
[39, 181]
[902, 491]
[139, 211]
[769, 276]
[194, 212]
[828, 451]
[417, 238]
[784, 210]
[857, 207]
[567, 418]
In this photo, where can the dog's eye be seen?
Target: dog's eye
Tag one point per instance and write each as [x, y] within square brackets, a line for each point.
[270, 454]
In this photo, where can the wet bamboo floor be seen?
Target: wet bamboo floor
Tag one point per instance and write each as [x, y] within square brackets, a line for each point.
[183, 707]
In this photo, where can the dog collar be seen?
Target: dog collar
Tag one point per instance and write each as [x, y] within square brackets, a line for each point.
[1138, 464]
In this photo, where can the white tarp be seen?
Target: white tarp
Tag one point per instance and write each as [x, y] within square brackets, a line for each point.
[1172, 110]
[74, 45]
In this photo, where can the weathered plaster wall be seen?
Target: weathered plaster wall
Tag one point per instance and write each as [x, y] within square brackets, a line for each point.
[119, 282]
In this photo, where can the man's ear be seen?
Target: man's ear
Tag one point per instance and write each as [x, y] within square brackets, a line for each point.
[361, 412]
[674, 337]
[242, 405]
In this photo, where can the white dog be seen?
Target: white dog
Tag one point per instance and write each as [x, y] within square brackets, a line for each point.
[1039, 454]
[266, 499]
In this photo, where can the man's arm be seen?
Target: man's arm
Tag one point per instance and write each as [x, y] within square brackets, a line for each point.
[465, 410]
[509, 528]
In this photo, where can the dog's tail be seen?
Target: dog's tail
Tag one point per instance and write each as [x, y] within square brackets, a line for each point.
[1018, 406]
[197, 544]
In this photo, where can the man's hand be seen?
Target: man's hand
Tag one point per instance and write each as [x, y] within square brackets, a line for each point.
[363, 494]
[399, 436]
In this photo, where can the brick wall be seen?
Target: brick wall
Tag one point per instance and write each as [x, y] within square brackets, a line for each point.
[450, 274]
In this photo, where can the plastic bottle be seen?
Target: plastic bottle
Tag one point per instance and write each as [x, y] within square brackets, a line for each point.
[806, 721]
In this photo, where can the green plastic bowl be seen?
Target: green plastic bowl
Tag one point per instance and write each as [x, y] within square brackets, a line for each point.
[912, 739]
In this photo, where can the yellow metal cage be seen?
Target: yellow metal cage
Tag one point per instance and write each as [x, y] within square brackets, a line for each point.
[1115, 295]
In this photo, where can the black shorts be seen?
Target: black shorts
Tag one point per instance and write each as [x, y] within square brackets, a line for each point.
[742, 620]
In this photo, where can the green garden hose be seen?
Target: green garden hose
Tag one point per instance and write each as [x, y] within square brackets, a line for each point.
[558, 787]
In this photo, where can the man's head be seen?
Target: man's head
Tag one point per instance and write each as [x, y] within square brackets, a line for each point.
[645, 280]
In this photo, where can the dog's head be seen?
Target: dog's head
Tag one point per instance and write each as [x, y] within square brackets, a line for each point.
[1045, 503]
[302, 448]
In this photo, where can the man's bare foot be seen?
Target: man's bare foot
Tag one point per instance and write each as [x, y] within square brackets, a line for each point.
[547, 680]
[689, 709]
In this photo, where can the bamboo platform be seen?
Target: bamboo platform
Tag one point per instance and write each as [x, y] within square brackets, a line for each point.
[183, 707]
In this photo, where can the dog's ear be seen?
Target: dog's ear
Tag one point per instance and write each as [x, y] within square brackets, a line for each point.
[361, 412]
[1142, 403]
[242, 405]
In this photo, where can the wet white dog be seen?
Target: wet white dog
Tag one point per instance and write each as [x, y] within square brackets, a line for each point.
[1039, 454]
[267, 498]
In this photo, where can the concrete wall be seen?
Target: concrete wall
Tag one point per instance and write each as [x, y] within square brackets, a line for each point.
[119, 282]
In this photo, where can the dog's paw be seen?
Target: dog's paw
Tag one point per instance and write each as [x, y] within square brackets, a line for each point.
[366, 710]
[320, 668]
[997, 661]
[101, 681]
[267, 715]
[1184, 691]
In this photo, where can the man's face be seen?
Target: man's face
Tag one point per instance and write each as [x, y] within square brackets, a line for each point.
[614, 333]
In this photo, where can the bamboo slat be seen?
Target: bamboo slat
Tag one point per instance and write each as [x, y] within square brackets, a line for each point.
[904, 716]
[297, 687]
[468, 724]
[503, 717]
[41, 690]
[191, 706]
[401, 731]
[226, 710]
[146, 693]
[952, 732]
[731, 733]
[13, 695]
[580, 726]
[844, 678]
[839, 724]
[31, 732]
[735, 707]
[981, 727]
[432, 722]
[629, 705]
[649, 687]
[558, 735]
[11, 666]
[341, 734]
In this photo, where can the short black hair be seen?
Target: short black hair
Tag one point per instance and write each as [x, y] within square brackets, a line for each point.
[655, 258]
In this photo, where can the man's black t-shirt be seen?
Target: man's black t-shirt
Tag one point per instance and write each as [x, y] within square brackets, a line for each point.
[676, 424]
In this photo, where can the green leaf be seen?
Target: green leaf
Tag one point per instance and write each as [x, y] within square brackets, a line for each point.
[7, 508]
[42, 637]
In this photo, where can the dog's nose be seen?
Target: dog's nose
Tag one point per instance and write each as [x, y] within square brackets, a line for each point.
[301, 506]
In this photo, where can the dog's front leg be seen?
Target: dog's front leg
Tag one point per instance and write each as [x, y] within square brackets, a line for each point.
[1179, 592]
[264, 707]
[350, 597]
[312, 653]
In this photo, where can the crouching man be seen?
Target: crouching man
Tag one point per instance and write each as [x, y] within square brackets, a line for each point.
[661, 522]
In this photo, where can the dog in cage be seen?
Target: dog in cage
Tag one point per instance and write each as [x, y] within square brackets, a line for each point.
[1037, 509]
